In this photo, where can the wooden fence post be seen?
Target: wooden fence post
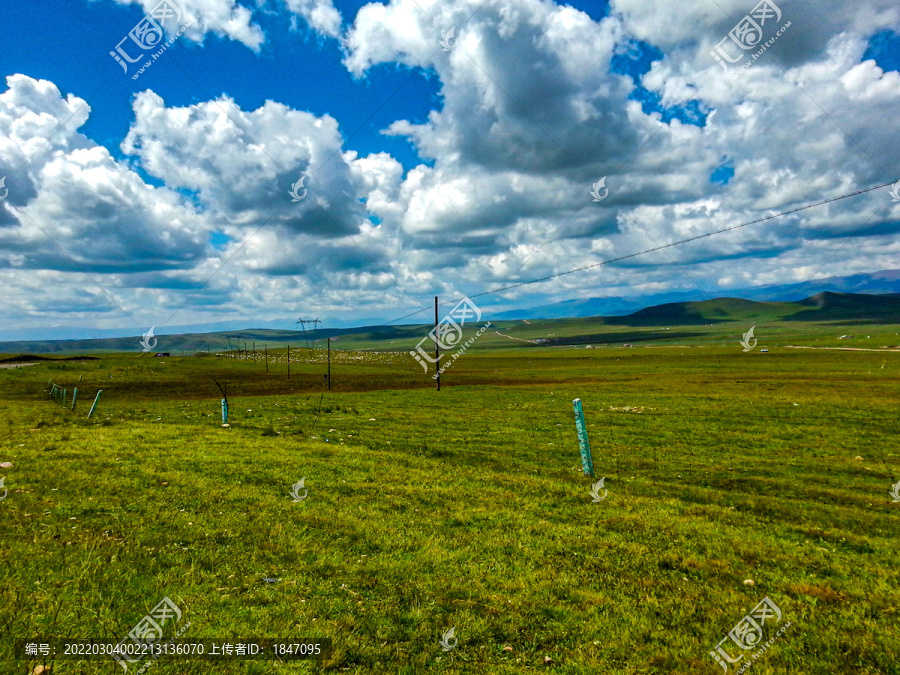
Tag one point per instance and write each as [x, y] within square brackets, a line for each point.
[437, 345]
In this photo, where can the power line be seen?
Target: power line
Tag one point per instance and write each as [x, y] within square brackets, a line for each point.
[682, 241]
[658, 248]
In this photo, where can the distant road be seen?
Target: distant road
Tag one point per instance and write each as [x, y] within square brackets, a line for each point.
[515, 338]
[883, 350]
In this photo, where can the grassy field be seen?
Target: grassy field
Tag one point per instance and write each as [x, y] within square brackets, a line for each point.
[467, 508]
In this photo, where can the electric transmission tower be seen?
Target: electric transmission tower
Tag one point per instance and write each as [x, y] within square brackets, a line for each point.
[303, 323]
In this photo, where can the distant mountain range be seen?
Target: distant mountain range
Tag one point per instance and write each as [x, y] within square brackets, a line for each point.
[844, 308]
[62, 332]
[885, 282]
[853, 297]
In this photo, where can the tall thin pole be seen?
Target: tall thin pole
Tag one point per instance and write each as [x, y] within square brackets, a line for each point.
[254, 351]
[329, 364]
[437, 344]
[267, 358]
[289, 362]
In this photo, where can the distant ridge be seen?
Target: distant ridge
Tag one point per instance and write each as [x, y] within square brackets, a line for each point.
[846, 308]
[825, 306]
[828, 306]
[885, 282]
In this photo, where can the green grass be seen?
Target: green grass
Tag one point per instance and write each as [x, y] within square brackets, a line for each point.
[465, 508]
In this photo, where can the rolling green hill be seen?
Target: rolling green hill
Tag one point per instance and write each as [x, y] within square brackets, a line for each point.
[825, 306]
[707, 320]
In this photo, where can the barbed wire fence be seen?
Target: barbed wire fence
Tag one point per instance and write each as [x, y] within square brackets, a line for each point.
[565, 426]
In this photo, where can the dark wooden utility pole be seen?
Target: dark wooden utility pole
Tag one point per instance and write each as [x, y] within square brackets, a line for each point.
[329, 364]
[437, 345]
[267, 358]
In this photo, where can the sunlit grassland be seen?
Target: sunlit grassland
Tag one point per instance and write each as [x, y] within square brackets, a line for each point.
[463, 508]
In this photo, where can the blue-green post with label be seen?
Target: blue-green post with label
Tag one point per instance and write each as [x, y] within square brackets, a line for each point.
[583, 443]
[94, 406]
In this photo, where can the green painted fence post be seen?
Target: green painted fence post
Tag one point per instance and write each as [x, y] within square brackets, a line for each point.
[64, 398]
[584, 445]
[95, 403]
[224, 411]
[74, 398]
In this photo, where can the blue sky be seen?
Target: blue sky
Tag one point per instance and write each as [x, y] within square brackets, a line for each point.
[163, 200]
[295, 66]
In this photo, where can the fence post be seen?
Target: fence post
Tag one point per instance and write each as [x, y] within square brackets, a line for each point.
[93, 407]
[224, 411]
[584, 445]
[74, 398]
[64, 398]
